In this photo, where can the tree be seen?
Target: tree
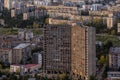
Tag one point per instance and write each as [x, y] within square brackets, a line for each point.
[0, 67]
[84, 12]
[102, 59]
[64, 76]
[108, 44]
[25, 77]
[4, 79]
[92, 77]
[35, 50]
[18, 70]
[35, 25]
[7, 71]
[98, 24]
[44, 78]
[47, 21]
[113, 32]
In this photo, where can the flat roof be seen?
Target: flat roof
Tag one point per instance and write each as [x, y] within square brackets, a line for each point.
[25, 66]
[115, 50]
[22, 45]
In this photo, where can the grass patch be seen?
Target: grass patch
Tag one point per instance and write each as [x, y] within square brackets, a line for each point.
[8, 31]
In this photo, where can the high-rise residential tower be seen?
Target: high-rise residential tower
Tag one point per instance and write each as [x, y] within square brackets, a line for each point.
[69, 49]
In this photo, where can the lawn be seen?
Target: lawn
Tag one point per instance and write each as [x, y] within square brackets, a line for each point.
[9, 31]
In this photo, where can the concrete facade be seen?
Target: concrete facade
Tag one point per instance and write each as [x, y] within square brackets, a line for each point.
[111, 21]
[69, 49]
[114, 58]
[118, 27]
[6, 55]
[21, 53]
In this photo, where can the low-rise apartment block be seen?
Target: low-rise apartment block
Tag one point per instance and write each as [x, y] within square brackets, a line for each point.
[37, 58]
[21, 53]
[114, 58]
[15, 12]
[24, 68]
[56, 11]
[113, 75]
[9, 41]
[6, 55]
[36, 14]
[99, 13]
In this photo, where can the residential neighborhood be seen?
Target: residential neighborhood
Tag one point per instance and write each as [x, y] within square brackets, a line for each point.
[59, 39]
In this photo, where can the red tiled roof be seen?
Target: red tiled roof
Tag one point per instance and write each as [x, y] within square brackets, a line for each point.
[30, 65]
[26, 66]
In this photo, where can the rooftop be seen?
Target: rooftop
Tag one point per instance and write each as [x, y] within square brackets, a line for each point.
[30, 65]
[5, 49]
[26, 66]
[22, 45]
[115, 50]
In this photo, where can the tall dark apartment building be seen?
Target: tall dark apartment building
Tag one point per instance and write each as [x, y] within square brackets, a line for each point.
[69, 49]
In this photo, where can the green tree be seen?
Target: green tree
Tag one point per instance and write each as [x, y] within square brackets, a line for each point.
[102, 59]
[7, 71]
[44, 78]
[47, 20]
[113, 32]
[4, 79]
[92, 77]
[64, 77]
[12, 77]
[0, 67]
[18, 70]
[35, 25]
